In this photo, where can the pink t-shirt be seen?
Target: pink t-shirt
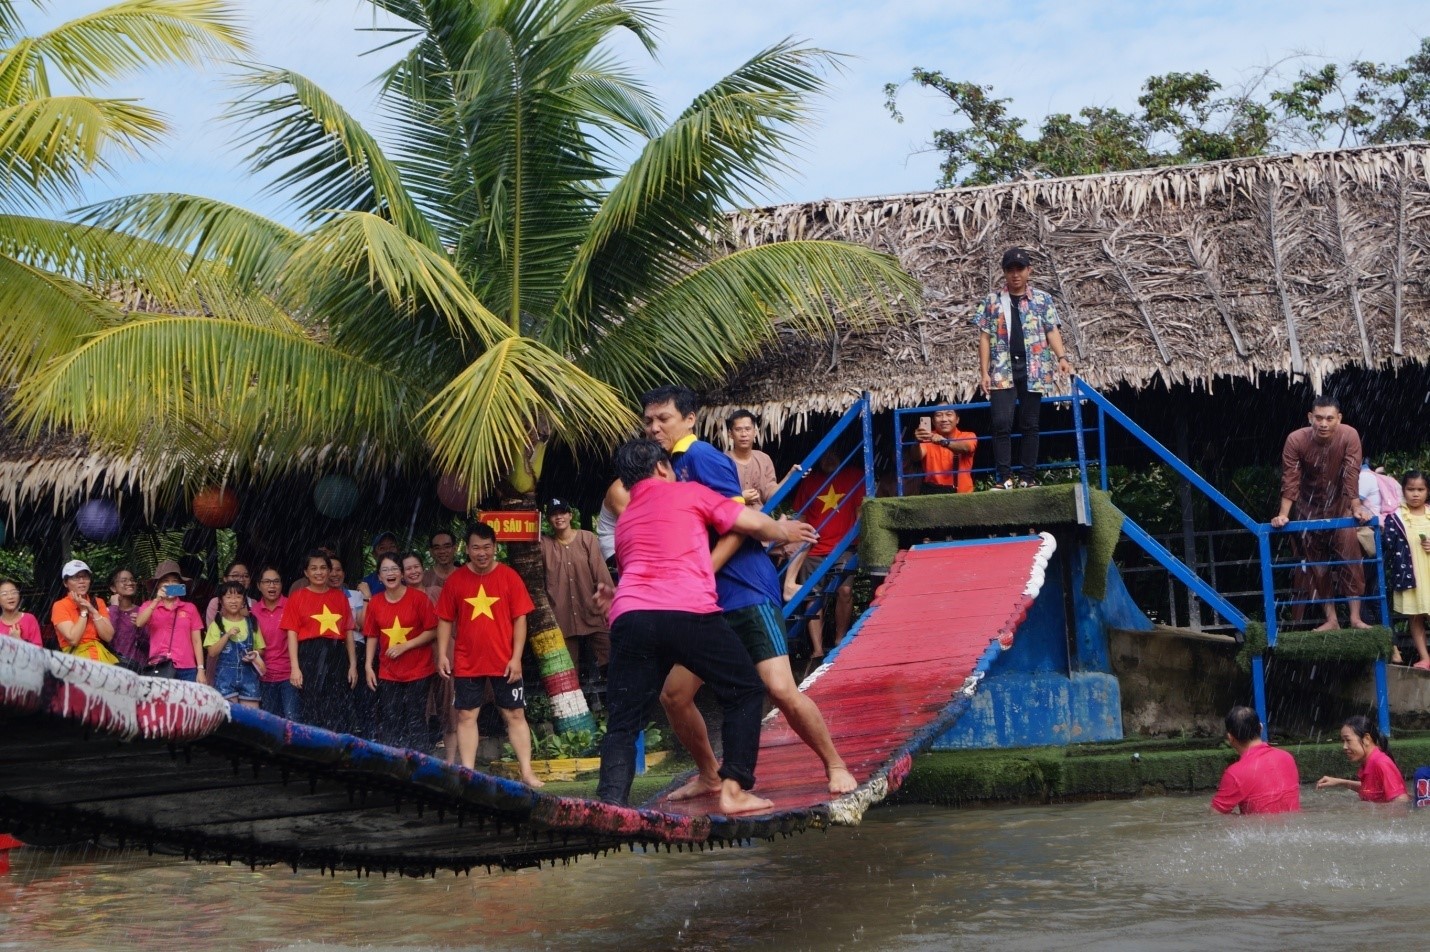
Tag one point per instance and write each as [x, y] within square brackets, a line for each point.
[663, 547]
[1380, 779]
[171, 634]
[276, 664]
[26, 628]
[1263, 780]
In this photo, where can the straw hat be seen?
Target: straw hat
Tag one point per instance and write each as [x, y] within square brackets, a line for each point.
[169, 567]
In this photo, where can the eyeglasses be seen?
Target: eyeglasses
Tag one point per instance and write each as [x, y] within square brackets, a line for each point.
[270, 581]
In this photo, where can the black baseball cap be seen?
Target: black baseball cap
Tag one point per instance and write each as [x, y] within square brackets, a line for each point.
[557, 505]
[1016, 258]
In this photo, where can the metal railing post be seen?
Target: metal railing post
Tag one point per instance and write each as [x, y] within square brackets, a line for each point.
[898, 452]
[1268, 584]
[1081, 446]
[1258, 693]
[866, 422]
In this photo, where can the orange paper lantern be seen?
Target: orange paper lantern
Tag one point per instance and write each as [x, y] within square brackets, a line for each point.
[216, 507]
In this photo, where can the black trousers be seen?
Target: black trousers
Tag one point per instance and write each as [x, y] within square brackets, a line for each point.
[327, 701]
[1030, 410]
[402, 713]
[644, 645]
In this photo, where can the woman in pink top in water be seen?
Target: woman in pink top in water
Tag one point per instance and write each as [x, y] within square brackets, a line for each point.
[1380, 780]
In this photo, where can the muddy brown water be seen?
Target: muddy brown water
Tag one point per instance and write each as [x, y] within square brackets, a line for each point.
[1141, 874]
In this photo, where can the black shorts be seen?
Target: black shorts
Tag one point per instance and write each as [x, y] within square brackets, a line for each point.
[471, 693]
[761, 630]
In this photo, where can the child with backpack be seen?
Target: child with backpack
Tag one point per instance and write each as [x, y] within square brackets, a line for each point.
[1407, 559]
[235, 645]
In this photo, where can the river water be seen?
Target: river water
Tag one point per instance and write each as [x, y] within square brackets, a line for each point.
[1132, 874]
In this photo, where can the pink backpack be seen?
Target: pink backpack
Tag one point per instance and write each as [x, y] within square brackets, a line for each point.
[1390, 495]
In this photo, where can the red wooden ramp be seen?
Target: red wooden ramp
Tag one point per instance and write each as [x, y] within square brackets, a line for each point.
[904, 675]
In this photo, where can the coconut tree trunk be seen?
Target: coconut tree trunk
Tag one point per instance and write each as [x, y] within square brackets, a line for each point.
[558, 673]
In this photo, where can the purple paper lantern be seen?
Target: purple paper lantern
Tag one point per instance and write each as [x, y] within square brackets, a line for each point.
[335, 496]
[98, 520]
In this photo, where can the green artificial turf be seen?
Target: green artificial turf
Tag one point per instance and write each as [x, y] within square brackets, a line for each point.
[1338, 644]
[1045, 507]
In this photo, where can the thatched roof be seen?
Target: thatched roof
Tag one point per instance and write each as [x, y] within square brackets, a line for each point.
[1293, 264]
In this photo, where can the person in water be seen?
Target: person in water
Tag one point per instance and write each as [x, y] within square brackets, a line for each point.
[1380, 780]
[1263, 779]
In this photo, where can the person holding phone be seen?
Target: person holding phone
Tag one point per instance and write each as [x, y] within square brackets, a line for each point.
[82, 621]
[944, 454]
[175, 628]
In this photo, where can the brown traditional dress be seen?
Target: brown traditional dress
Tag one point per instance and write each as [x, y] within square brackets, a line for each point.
[1321, 480]
[573, 570]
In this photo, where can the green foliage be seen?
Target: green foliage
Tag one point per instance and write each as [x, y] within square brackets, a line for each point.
[582, 743]
[1182, 118]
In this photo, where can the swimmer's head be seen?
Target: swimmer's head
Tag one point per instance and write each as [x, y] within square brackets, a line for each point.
[1242, 724]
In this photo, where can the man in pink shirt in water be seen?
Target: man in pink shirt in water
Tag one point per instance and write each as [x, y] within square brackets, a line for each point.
[665, 612]
[1263, 779]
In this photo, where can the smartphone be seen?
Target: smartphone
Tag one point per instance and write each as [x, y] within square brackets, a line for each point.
[175, 590]
[925, 423]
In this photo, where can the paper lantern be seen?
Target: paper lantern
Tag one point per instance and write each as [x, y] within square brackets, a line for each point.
[98, 520]
[453, 493]
[335, 496]
[216, 507]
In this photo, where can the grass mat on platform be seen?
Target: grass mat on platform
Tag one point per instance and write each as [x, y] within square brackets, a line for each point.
[1036, 509]
[1338, 644]
[1048, 774]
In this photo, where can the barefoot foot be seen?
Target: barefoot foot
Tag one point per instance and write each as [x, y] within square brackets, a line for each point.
[698, 786]
[1327, 626]
[841, 780]
[742, 801]
[1357, 623]
[531, 780]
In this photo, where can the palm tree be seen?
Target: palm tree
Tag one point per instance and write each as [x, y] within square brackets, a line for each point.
[484, 278]
[54, 275]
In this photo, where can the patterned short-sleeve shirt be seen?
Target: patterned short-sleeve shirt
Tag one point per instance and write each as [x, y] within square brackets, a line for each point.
[1040, 316]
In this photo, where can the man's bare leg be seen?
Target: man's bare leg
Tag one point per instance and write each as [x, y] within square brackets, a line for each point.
[467, 738]
[735, 799]
[1356, 620]
[518, 733]
[803, 715]
[677, 697]
[843, 611]
[815, 626]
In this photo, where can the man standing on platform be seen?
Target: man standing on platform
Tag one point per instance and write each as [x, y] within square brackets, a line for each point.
[1020, 348]
[749, 594]
[754, 467]
[1320, 477]
[1263, 779]
[665, 611]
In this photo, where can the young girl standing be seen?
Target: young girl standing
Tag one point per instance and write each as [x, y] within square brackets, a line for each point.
[235, 647]
[1380, 780]
[1407, 559]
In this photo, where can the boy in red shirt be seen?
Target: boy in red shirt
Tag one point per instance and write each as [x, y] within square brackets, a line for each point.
[483, 606]
[1263, 779]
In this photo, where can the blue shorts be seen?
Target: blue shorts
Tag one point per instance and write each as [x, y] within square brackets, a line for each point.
[240, 682]
[761, 630]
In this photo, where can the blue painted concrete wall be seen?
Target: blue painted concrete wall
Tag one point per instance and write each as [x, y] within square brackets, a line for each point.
[1036, 693]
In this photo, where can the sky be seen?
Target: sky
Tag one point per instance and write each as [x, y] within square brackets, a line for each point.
[1055, 56]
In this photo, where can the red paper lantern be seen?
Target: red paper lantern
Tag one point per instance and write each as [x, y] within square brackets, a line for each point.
[453, 493]
[216, 507]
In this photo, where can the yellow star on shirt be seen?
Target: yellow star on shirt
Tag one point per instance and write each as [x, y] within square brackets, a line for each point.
[397, 635]
[830, 500]
[482, 603]
[327, 621]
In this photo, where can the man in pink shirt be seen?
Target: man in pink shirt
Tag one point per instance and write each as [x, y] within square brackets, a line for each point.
[663, 549]
[1263, 779]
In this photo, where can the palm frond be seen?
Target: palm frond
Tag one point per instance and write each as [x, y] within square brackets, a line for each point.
[408, 273]
[716, 317]
[658, 218]
[331, 161]
[252, 248]
[49, 144]
[482, 422]
[274, 392]
[132, 34]
[45, 314]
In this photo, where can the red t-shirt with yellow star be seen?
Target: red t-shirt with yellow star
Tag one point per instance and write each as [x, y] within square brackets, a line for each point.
[318, 616]
[395, 623]
[482, 609]
[832, 509]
